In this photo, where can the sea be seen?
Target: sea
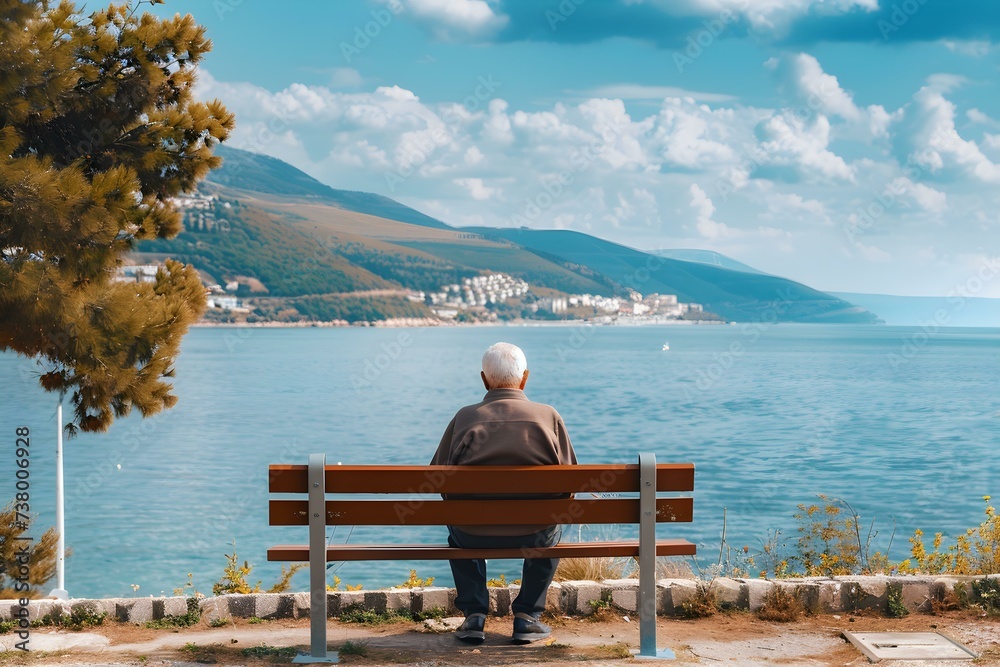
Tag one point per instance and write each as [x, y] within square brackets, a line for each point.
[902, 424]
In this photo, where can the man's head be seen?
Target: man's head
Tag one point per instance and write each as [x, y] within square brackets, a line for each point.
[504, 367]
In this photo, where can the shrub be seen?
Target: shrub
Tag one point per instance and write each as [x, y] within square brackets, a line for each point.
[264, 651]
[894, 595]
[703, 603]
[501, 582]
[234, 577]
[284, 581]
[359, 614]
[336, 585]
[975, 552]
[831, 542]
[780, 605]
[81, 617]
[185, 620]
[359, 649]
[987, 593]
[416, 582]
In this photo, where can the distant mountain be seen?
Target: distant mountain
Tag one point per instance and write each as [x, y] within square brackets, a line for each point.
[704, 257]
[735, 295]
[268, 175]
[955, 311]
[302, 239]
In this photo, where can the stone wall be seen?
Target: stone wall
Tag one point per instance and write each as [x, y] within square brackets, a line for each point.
[825, 595]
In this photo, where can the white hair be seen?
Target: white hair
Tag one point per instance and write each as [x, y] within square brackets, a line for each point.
[504, 365]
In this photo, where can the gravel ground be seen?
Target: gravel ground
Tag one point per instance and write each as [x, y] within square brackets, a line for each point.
[732, 639]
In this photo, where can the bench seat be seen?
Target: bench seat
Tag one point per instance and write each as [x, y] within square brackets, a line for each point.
[355, 552]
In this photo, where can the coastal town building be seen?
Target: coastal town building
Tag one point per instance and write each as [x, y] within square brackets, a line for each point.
[199, 212]
[493, 288]
[137, 273]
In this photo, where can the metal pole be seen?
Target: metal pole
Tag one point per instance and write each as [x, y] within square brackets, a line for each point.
[317, 564]
[60, 591]
[647, 560]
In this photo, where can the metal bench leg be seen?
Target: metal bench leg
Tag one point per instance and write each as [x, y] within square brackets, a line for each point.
[317, 565]
[647, 561]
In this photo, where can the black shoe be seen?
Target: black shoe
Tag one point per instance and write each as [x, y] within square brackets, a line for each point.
[529, 629]
[471, 631]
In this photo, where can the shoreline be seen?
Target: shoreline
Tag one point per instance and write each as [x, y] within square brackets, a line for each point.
[434, 324]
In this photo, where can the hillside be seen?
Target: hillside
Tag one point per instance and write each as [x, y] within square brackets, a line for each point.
[247, 241]
[734, 295]
[704, 257]
[264, 174]
[415, 256]
[284, 234]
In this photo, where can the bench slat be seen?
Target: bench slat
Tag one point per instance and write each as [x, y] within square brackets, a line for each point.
[481, 479]
[478, 512]
[357, 552]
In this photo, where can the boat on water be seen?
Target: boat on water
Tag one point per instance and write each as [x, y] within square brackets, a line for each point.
[666, 346]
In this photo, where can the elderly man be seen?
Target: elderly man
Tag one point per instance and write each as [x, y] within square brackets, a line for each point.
[504, 429]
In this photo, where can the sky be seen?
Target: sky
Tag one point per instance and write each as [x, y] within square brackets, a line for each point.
[852, 145]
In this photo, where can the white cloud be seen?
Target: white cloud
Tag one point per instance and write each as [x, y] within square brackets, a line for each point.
[690, 136]
[945, 83]
[477, 190]
[763, 14]
[872, 253]
[473, 156]
[819, 91]
[635, 91]
[791, 207]
[802, 77]
[972, 48]
[345, 77]
[450, 19]
[788, 140]
[927, 137]
[924, 196]
[704, 209]
[980, 118]
[638, 206]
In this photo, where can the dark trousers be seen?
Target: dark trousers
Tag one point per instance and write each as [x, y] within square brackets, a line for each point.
[470, 574]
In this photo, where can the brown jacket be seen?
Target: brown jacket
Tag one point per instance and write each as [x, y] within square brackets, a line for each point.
[505, 429]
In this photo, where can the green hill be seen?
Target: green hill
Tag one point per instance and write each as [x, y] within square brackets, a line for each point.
[704, 257]
[300, 237]
[262, 173]
[735, 295]
[247, 241]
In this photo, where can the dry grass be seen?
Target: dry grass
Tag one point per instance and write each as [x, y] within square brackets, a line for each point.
[600, 569]
[780, 605]
[702, 604]
[592, 569]
[673, 568]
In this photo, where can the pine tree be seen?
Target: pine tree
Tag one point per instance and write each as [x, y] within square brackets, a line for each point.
[20, 579]
[98, 130]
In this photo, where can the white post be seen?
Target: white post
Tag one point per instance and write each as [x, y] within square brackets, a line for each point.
[60, 591]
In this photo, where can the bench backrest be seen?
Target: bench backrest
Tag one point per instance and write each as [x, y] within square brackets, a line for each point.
[503, 485]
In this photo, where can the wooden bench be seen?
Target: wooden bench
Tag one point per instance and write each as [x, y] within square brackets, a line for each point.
[418, 503]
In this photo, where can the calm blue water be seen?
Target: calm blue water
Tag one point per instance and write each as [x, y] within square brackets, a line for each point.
[902, 425]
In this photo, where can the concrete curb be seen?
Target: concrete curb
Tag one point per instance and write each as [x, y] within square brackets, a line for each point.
[831, 595]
